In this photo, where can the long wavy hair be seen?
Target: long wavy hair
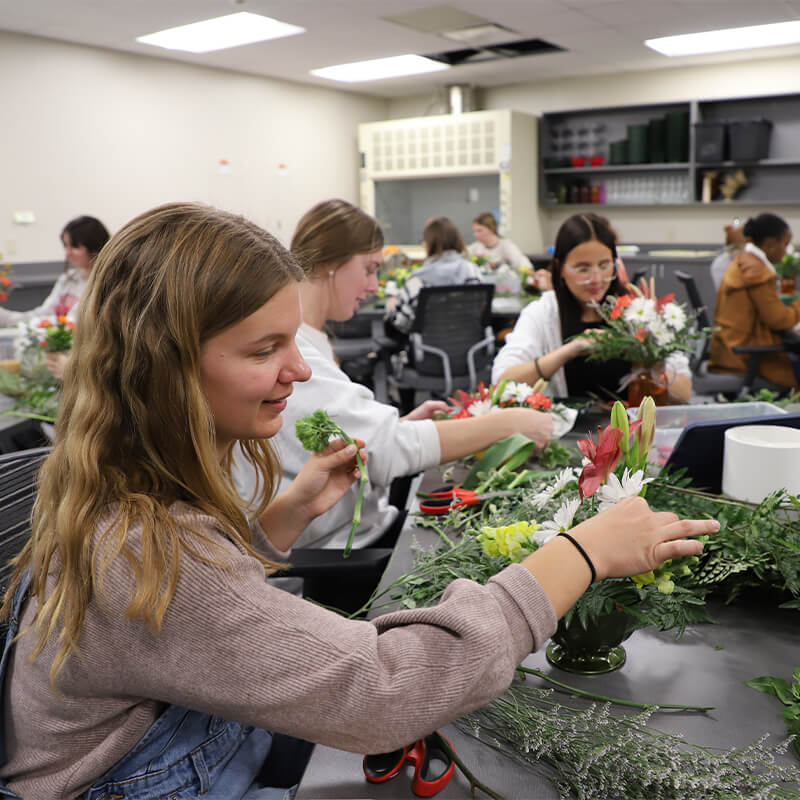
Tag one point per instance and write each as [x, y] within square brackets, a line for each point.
[135, 433]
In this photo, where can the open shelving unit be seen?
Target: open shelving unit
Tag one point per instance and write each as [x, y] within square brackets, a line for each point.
[773, 180]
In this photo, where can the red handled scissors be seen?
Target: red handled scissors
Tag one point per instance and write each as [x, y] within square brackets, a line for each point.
[433, 765]
[447, 498]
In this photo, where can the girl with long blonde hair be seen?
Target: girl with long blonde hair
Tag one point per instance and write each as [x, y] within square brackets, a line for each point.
[147, 656]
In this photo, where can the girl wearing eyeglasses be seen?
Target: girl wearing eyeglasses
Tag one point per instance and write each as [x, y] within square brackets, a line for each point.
[547, 341]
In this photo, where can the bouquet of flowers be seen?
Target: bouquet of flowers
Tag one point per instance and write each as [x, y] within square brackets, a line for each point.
[5, 281]
[394, 271]
[513, 394]
[31, 384]
[643, 328]
[57, 336]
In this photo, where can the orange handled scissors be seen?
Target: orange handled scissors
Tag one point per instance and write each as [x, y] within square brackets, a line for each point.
[433, 765]
[447, 498]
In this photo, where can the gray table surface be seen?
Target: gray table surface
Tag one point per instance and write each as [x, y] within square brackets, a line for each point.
[707, 666]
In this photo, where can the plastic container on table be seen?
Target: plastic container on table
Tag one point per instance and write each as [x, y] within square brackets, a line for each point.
[671, 420]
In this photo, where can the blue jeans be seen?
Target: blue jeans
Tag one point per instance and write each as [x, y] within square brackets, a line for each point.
[183, 756]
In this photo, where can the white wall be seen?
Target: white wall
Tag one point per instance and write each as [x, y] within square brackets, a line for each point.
[673, 224]
[90, 131]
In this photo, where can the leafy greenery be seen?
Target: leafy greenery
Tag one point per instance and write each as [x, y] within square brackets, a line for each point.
[789, 695]
[34, 389]
[314, 433]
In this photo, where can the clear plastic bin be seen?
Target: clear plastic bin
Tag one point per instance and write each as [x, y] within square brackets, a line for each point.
[671, 420]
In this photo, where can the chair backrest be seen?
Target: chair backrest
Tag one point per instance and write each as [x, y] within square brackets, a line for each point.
[19, 474]
[453, 319]
[703, 345]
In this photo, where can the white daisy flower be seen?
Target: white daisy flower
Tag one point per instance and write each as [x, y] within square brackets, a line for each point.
[479, 408]
[661, 332]
[542, 498]
[615, 490]
[562, 521]
[674, 316]
[516, 392]
[641, 311]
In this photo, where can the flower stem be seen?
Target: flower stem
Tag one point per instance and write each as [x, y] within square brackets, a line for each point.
[581, 693]
[474, 783]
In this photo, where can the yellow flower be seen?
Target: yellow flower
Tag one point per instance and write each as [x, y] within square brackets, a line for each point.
[390, 250]
[513, 541]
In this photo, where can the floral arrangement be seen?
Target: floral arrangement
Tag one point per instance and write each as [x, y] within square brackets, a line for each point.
[57, 336]
[395, 269]
[5, 281]
[642, 327]
[508, 280]
[584, 748]
[31, 384]
[506, 394]
[789, 265]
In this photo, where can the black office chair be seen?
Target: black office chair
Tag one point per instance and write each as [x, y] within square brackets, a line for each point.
[705, 382]
[363, 351]
[18, 485]
[451, 343]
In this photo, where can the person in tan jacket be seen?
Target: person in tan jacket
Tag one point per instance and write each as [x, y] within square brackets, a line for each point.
[749, 310]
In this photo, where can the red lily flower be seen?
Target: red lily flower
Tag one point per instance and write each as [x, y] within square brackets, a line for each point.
[603, 457]
[641, 334]
[662, 301]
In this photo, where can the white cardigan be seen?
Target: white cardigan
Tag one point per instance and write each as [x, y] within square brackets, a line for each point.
[67, 290]
[538, 332]
[395, 447]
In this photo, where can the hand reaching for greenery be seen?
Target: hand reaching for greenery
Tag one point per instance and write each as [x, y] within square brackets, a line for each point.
[314, 433]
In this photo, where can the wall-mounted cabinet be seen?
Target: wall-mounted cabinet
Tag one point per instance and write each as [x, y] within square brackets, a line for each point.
[451, 165]
[673, 154]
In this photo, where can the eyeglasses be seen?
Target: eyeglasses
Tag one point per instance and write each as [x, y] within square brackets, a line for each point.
[584, 273]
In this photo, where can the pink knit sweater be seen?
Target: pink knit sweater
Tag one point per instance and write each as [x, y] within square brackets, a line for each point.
[235, 646]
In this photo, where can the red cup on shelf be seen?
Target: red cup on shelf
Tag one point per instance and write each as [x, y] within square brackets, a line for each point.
[597, 161]
[578, 161]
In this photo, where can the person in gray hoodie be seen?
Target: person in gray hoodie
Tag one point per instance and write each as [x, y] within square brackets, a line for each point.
[446, 265]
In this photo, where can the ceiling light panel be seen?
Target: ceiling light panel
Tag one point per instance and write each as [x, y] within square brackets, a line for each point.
[720, 41]
[221, 33]
[379, 68]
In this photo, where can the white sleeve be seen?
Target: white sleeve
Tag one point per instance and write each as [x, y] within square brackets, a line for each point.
[524, 343]
[46, 309]
[516, 257]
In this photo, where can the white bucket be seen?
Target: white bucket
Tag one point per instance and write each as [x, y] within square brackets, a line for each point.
[759, 460]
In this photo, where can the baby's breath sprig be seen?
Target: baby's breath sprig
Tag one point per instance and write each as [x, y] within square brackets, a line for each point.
[588, 752]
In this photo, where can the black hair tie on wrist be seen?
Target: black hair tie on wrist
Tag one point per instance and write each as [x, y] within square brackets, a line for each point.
[582, 552]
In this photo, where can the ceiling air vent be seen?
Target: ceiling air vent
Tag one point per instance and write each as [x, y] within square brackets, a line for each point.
[494, 52]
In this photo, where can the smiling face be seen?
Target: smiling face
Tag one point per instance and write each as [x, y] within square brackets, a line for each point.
[77, 255]
[352, 283]
[247, 370]
[588, 271]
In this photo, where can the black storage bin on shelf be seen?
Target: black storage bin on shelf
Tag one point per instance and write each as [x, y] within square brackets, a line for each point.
[638, 151]
[749, 139]
[677, 144]
[618, 152]
[710, 139]
[656, 140]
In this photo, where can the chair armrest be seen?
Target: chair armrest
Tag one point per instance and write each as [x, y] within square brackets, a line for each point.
[487, 343]
[755, 351]
[419, 353]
